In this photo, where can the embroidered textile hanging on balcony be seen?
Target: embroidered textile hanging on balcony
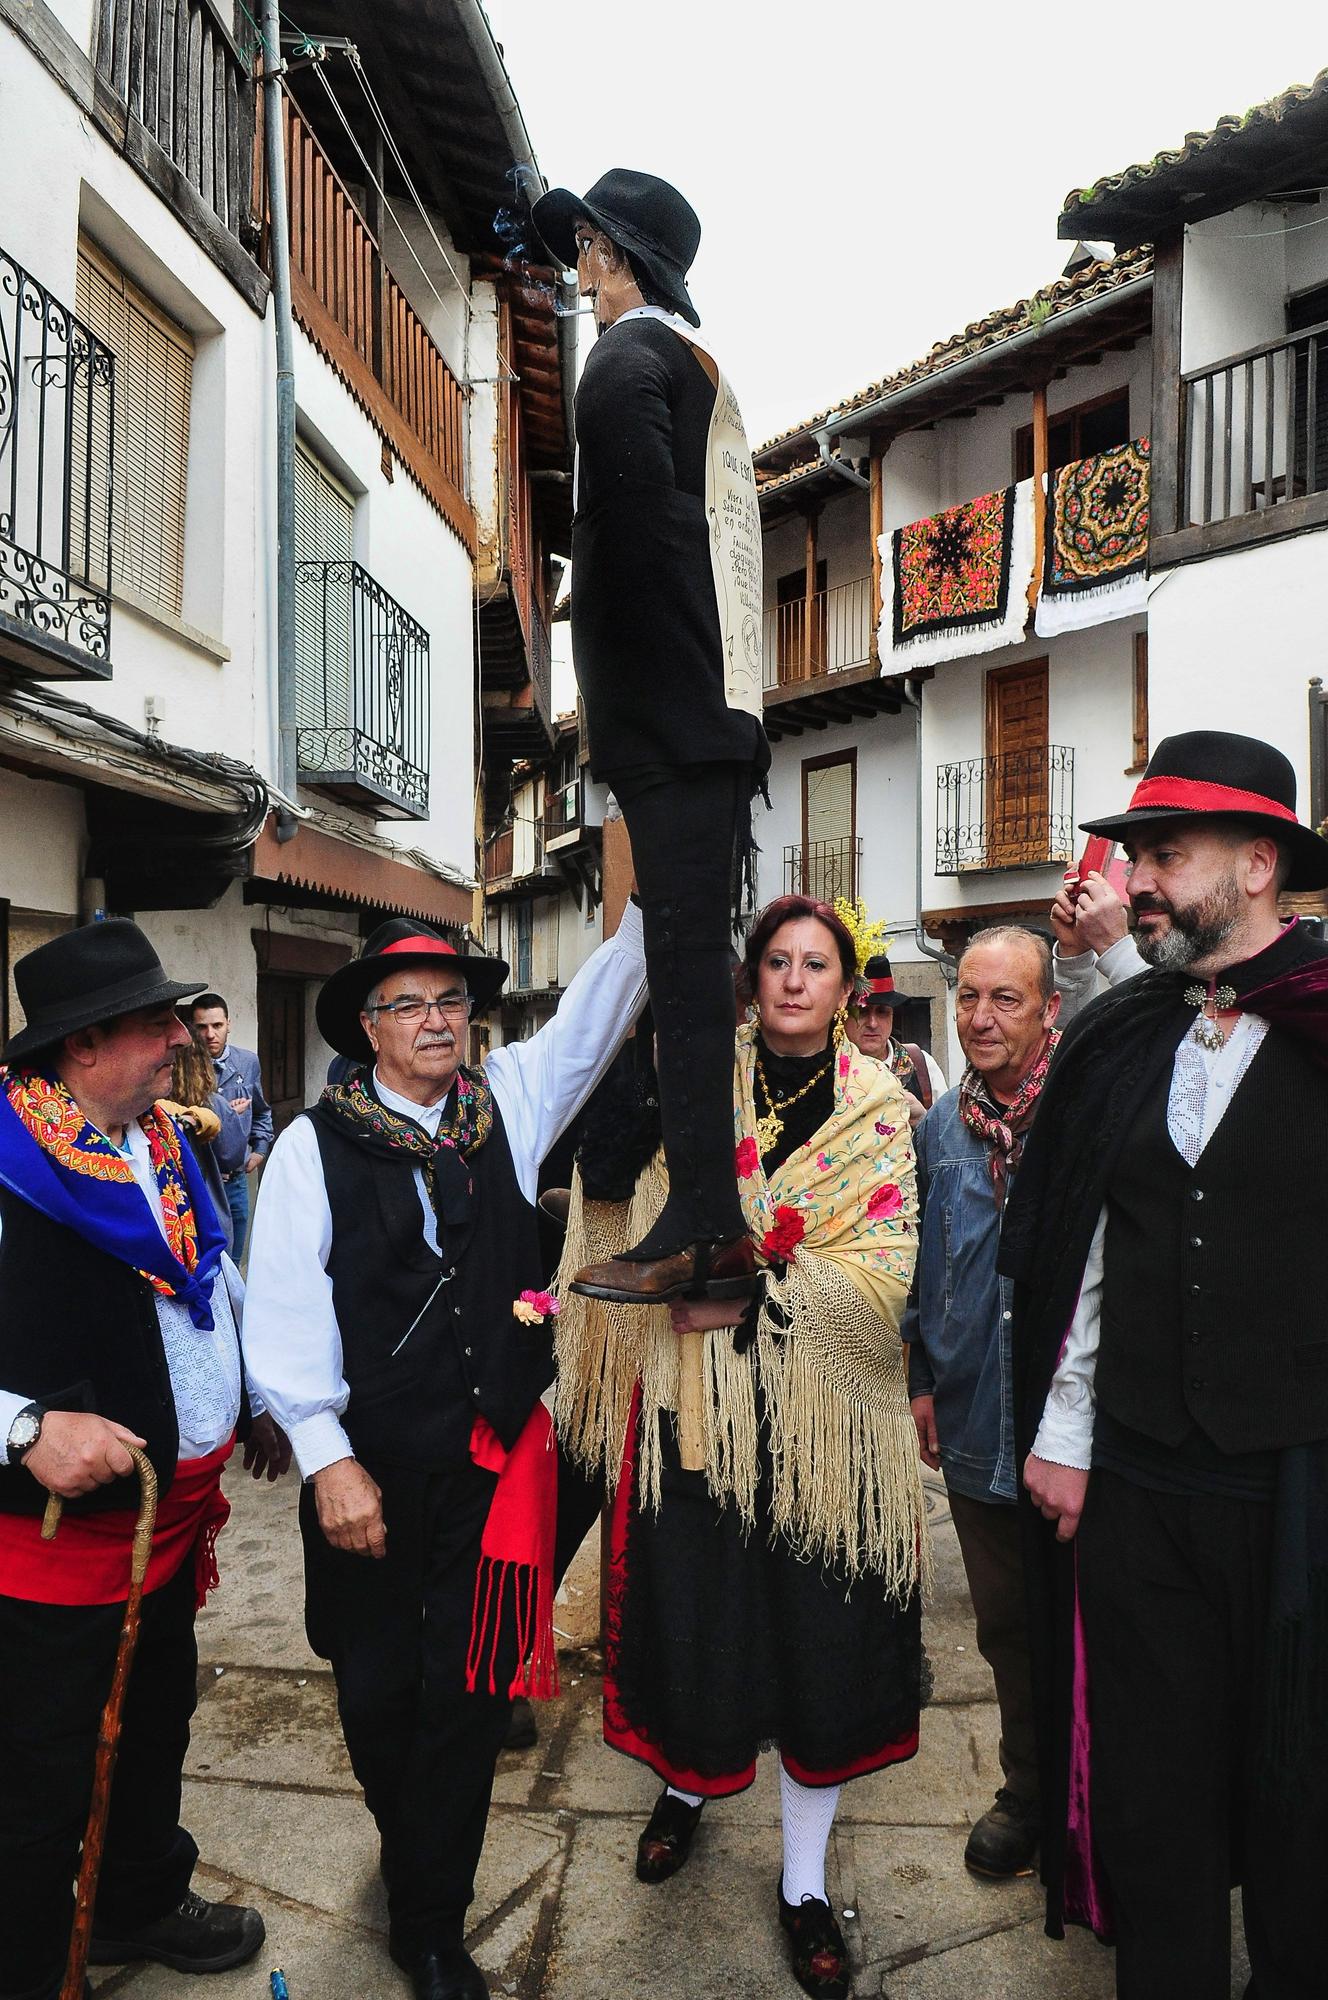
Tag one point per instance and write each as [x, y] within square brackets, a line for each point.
[959, 580]
[1096, 547]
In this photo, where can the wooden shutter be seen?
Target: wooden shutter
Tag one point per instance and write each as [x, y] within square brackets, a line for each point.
[154, 368]
[1017, 776]
[324, 533]
[829, 827]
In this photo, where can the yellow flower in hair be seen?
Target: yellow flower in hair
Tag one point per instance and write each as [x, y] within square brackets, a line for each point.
[869, 939]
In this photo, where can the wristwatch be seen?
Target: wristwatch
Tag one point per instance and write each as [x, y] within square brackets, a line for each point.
[24, 1432]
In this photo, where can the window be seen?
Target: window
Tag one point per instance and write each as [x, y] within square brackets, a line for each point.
[154, 365]
[1076, 433]
[826, 866]
[1139, 753]
[324, 533]
[523, 932]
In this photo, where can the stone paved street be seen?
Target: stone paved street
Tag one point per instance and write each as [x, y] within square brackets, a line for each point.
[270, 1797]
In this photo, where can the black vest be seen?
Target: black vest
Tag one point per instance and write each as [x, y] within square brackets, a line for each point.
[1211, 1314]
[79, 1331]
[429, 1341]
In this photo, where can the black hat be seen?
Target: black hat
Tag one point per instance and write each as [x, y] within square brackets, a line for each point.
[85, 976]
[637, 212]
[391, 948]
[876, 981]
[1207, 771]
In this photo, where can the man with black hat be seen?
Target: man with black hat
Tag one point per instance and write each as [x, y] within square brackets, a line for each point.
[397, 1326]
[116, 1328]
[666, 635]
[871, 1023]
[1171, 1360]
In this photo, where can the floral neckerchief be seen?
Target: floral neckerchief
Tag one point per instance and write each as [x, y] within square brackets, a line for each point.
[465, 1125]
[84, 1181]
[1002, 1128]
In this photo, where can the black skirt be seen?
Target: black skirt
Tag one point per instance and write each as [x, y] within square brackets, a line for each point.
[721, 1644]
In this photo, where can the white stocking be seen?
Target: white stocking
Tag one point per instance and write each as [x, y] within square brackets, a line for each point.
[688, 1798]
[808, 1813]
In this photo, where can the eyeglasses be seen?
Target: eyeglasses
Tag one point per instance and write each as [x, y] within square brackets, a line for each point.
[410, 1009]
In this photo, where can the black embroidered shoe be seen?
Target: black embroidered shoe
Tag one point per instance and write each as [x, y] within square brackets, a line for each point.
[666, 1838]
[1004, 1841]
[817, 1950]
[198, 1937]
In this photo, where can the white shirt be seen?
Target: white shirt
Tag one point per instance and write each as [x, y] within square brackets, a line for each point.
[292, 1340]
[1203, 1083]
[204, 1367]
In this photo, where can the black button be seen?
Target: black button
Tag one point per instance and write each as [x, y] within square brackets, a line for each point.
[1196, 1243]
[1195, 1337]
[1196, 1382]
[466, 1350]
[474, 1392]
[1194, 1291]
[1196, 1194]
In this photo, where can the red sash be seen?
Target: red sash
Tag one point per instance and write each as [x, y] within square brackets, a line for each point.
[88, 1562]
[518, 1541]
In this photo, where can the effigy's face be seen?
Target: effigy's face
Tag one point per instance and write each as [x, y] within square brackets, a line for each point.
[603, 274]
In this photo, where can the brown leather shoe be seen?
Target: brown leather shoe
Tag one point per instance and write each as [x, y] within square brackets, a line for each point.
[700, 1271]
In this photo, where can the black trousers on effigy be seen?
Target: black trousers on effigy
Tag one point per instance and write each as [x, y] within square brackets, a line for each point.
[1174, 1591]
[396, 1632]
[56, 1663]
[683, 825]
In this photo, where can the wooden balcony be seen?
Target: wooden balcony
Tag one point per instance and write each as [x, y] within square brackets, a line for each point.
[1251, 453]
[356, 313]
[819, 664]
[517, 863]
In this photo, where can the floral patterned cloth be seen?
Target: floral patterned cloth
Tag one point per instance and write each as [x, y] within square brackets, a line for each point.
[1097, 520]
[463, 1129]
[953, 569]
[849, 1194]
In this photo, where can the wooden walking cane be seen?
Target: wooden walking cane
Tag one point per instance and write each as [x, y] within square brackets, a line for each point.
[108, 1735]
[691, 1406]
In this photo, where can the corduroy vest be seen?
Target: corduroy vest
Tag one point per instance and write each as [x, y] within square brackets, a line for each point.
[79, 1331]
[429, 1342]
[1210, 1316]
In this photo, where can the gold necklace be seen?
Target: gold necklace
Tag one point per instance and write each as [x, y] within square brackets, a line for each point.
[769, 1127]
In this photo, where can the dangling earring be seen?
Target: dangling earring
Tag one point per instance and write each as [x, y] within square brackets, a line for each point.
[840, 1036]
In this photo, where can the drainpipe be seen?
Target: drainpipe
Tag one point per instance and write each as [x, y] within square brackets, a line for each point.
[924, 944]
[839, 465]
[279, 231]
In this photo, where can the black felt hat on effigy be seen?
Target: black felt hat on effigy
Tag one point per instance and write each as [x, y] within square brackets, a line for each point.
[1207, 771]
[638, 212]
[87, 976]
[395, 947]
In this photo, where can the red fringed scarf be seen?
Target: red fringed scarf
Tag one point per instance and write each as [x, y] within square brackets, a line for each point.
[1003, 1127]
[88, 1563]
[517, 1543]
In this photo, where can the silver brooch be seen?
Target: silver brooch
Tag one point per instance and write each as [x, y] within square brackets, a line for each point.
[1210, 1001]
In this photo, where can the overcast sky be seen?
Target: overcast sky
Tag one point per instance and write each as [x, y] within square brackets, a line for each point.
[871, 176]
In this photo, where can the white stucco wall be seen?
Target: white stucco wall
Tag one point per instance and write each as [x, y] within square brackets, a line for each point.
[42, 846]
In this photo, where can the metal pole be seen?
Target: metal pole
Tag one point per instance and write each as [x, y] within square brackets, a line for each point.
[279, 236]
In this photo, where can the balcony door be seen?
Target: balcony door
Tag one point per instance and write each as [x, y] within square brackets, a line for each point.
[829, 827]
[324, 534]
[1016, 803]
[800, 647]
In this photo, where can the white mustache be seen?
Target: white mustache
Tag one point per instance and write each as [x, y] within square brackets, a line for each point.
[437, 1042]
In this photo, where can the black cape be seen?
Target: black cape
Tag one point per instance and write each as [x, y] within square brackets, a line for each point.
[1108, 1059]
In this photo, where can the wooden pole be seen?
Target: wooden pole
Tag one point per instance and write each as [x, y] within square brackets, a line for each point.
[1040, 462]
[691, 1404]
[108, 1736]
[809, 597]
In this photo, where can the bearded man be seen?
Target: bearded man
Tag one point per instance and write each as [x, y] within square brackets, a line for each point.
[1171, 1374]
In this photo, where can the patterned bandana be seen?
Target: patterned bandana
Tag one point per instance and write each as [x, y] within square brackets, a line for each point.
[1002, 1127]
[64, 1166]
[465, 1125]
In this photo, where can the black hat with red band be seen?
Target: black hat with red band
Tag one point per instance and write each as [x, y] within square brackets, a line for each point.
[1208, 771]
[396, 947]
[875, 983]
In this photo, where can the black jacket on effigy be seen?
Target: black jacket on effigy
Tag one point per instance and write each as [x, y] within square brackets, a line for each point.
[460, 1351]
[1263, 1179]
[645, 623]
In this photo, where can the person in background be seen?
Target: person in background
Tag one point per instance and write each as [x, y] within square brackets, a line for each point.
[193, 1086]
[871, 1027]
[958, 1329]
[245, 1139]
[1091, 926]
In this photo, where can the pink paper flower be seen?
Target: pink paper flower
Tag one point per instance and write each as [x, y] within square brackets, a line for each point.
[885, 1202]
[533, 1308]
[746, 1158]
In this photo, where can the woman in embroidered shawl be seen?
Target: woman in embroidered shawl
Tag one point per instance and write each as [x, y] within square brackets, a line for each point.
[772, 1599]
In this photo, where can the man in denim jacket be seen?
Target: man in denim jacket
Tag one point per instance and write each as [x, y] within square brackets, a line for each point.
[958, 1327]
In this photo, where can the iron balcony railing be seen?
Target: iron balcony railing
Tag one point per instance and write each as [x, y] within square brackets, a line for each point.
[1255, 429]
[362, 692]
[57, 411]
[823, 868]
[823, 634]
[1014, 811]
